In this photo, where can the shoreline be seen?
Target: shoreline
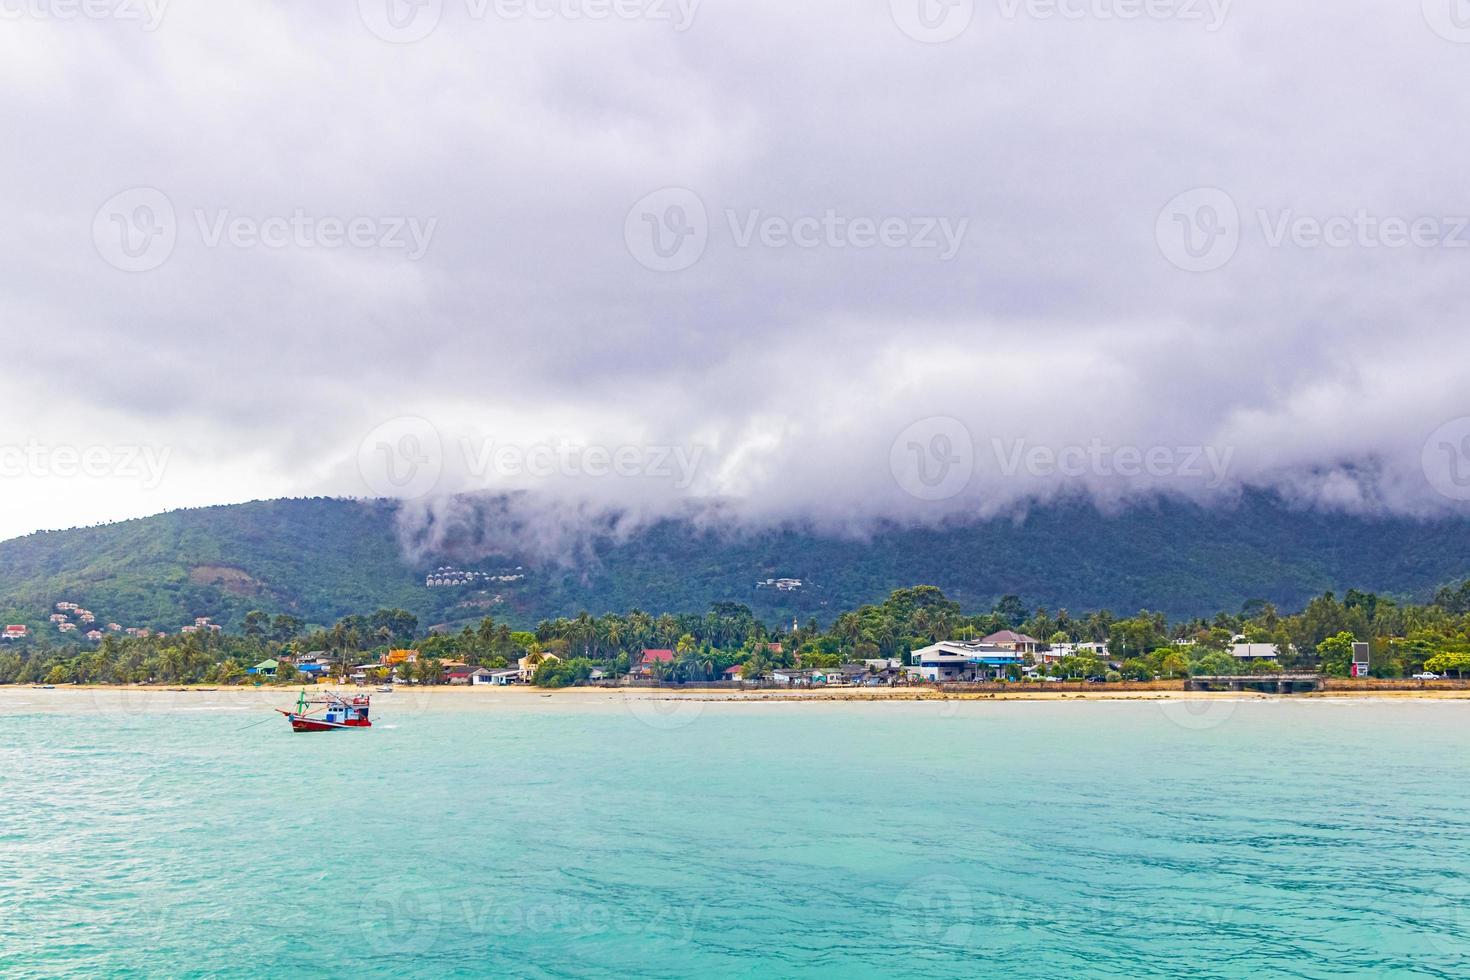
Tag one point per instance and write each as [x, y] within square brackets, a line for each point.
[799, 695]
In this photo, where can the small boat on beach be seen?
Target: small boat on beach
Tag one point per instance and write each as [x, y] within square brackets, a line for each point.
[329, 713]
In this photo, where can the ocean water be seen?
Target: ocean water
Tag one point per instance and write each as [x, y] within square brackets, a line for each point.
[511, 834]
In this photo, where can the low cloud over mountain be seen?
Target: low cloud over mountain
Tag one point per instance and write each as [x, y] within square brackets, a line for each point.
[809, 262]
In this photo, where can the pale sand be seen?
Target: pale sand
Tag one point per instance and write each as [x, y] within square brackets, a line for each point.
[126, 700]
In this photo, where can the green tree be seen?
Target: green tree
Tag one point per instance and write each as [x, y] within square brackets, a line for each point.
[1336, 654]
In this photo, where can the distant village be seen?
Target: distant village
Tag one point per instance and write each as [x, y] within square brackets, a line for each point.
[915, 636]
[1002, 655]
[71, 619]
[448, 577]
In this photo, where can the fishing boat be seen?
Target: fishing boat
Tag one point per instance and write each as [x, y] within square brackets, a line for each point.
[329, 713]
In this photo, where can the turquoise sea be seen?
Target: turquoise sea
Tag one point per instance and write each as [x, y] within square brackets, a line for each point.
[590, 835]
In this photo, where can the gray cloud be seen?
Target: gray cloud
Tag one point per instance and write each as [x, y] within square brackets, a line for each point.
[1060, 323]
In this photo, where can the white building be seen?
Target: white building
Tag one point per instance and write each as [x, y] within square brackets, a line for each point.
[953, 660]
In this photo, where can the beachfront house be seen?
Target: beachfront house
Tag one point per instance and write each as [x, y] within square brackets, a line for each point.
[1011, 640]
[644, 666]
[792, 676]
[735, 673]
[503, 678]
[951, 660]
[527, 665]
[468, 675]
[266, 668]
[1057, 651]
[847, 675]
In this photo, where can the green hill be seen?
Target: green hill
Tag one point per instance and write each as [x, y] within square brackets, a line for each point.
[321, 558]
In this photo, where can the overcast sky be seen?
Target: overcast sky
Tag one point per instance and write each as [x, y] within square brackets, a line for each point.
[832, 260]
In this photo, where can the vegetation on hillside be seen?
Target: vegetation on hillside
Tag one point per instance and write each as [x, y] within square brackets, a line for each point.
[319, 560]
[1404, 638]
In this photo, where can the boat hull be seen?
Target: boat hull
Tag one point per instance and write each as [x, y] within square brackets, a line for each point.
[302, 723]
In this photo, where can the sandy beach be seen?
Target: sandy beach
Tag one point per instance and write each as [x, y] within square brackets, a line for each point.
[146, 699]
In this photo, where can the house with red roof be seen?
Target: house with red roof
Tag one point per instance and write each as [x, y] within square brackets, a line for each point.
[468, 675]
[644, 666]
[14, 633]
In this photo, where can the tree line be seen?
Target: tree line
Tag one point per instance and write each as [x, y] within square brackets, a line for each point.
[1405, 638]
